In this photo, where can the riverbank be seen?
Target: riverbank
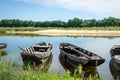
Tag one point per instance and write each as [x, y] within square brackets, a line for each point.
[57, 32]
[10, 71]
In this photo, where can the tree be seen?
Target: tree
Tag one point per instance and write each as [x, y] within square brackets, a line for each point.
[58, 23]
[76, 22]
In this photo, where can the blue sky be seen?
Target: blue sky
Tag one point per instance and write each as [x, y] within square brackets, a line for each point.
[47, 10]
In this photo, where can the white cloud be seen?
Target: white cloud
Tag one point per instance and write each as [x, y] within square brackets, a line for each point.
[105, 7]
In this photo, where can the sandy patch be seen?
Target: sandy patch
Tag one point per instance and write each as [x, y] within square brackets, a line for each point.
[55, 32]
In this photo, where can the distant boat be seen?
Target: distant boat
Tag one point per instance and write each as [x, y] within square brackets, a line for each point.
[3, 46]
[36, 52]
[115, 54]
[76, 55]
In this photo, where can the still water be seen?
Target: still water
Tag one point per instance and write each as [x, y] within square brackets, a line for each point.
[98, 45]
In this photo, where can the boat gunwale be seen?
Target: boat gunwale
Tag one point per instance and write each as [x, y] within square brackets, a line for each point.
[88, 57]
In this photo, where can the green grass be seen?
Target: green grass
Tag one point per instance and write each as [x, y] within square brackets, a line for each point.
[3, 29]
[11, 72]
[2, 53]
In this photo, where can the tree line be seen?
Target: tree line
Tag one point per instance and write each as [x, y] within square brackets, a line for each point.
[75, 22]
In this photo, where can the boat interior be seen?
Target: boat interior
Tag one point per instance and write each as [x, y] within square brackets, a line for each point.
[84, 51]
[41, 49]
[115, 51]
[36, 49]
[79, 52]
[71, 51]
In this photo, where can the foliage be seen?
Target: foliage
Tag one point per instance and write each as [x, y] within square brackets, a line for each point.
[74, 23]
[11, 72]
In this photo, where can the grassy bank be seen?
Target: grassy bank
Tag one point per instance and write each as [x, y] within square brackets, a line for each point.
[51, 31]
[3, 29]
[11, 72]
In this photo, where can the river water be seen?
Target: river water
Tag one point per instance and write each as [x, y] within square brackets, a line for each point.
[98, 45]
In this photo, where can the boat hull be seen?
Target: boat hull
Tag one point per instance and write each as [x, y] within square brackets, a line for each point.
[73, 62]
[37, 52]
[34, 58]
[114, 69]
[115, 54]
[116, 61]
[77, 60]
[95, 62]
[3, 46]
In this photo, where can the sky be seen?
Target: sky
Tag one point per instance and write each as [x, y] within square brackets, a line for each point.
[48, 10]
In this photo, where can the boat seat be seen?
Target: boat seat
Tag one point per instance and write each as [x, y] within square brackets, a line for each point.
[30, 49]
[48, 49]
[117, 57]
[81, 50]
[27, 50]
[24, 51]
[80, 55]
[89, 53]
[84, 51]
[41, 50]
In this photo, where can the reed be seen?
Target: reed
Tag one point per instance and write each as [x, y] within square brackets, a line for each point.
[9, 71]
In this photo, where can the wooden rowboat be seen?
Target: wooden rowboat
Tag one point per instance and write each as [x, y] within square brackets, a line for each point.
[76, 55]
[36, 52]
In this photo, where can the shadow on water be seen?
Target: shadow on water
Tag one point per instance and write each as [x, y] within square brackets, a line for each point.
[39, 65]
[87, 70]
[115, 70]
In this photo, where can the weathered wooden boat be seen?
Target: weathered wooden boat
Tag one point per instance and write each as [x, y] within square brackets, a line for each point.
[114, 69]
[76, 55]
[36, 52]
[3, 46]
[115, 54]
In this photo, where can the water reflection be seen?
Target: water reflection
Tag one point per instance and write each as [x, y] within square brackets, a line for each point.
[94, 44]
[87, 70]
[115, 70]
[43, 66]
[3, 53]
